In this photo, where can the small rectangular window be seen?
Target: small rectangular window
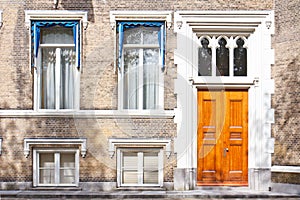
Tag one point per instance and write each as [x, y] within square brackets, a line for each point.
[140, 167]
[56, 168]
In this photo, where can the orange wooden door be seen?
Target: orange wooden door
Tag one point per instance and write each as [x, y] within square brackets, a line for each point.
[222, 138]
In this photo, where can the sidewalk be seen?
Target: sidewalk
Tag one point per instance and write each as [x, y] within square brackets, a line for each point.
[202, 193]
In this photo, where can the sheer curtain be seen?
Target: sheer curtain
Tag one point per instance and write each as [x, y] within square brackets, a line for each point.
[141, 68]
[58, 68]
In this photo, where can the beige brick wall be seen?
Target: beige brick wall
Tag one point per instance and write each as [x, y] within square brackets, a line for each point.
[97, 165]
[286, 73]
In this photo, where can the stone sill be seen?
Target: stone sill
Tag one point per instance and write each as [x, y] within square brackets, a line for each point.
[165, 114]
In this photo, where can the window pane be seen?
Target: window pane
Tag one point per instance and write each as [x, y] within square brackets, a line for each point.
[130, 168]
[46, 168]
[150, 78]
[150, 35]
[130, 82]
[204, 59]
[67, 168]
[222, 59]
[151, 168]
[67, 84]
[133, 35]
[57, 35]
[240, 59]
[47, 79]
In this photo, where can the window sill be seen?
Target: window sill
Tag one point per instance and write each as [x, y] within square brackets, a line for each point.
[89, 114]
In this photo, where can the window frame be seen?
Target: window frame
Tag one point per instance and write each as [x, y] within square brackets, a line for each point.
[160, 94]
[57, 152]
[139, 16]
[140, 154]
[48, 15]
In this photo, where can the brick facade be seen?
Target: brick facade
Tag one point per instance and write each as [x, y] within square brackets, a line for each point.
[98, 86]
[287, 93]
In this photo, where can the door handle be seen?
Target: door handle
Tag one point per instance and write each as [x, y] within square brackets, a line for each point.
[225, 151]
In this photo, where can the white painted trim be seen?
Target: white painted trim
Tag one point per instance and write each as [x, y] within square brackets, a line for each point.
[122, 142]
[56, 15]
[1, 146]
[258, 26]
[165, 114]
[57, 141]
[285, 169]
[145, 15]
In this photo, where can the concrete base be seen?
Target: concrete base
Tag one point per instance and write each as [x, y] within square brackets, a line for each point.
[15, 185]
[259, 179]
[184, 179]
[98, 186]
[285, 188]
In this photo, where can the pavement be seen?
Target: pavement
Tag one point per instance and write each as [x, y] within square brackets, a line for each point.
[199, 193]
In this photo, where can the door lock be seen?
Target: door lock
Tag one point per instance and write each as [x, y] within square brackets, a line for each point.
[225, 151]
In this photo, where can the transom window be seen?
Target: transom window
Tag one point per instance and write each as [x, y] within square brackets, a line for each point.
[57, 60]
[141, 63]
[140, 167]
[222, 56]
[56, 167]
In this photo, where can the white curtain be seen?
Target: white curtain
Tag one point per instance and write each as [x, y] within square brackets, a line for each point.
[58, 64]
[150, 78]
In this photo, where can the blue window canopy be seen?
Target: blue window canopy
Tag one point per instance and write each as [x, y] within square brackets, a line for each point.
[36, 34]
[121, 26]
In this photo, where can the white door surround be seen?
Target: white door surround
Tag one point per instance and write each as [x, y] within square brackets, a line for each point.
[257, 26]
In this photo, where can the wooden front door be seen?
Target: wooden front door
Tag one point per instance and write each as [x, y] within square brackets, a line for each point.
[222, 137]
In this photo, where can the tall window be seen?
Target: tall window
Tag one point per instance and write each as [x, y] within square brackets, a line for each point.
[222, 56]
[56, 167]
[140, 167]
[57, 59]
[141, 62]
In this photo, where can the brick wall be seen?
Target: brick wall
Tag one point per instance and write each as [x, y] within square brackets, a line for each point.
[286, 73]
[15, 167]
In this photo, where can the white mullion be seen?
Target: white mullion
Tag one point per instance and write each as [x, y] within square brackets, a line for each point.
[119, 167]
[36, 168]
[77, 167]
[57, 78]
[140, 168]
[57, 168]
[160, 168]
[231, 56]
[140, 79]
[214, 56]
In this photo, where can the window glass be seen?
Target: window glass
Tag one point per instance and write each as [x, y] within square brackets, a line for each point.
[222, 58]
[57, 35]
[240, 59]
[57, 84]
[204, 59]
[141, 68]
[47, 168]
[67, 168]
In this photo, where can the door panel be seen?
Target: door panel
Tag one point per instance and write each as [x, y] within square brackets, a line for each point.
[222, 137]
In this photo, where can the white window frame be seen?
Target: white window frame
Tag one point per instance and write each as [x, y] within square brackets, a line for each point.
[140, 155]
[1, 146]
[61, 15]
[115, 16]
[56, 152]
[160, 96]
